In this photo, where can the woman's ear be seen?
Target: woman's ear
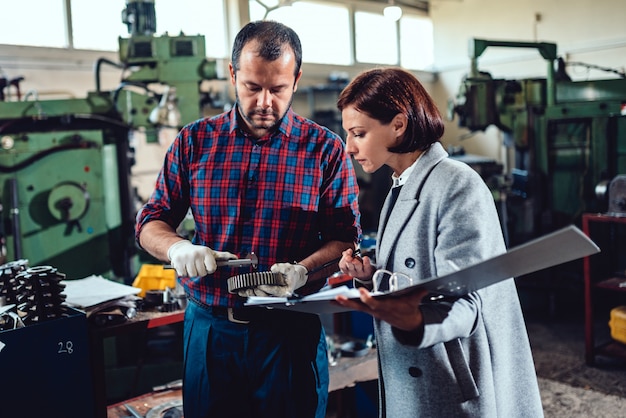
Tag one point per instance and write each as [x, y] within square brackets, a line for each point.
[399, 123]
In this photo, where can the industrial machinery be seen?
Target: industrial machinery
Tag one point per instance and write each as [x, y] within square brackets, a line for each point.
[566, 138]
[65, 193]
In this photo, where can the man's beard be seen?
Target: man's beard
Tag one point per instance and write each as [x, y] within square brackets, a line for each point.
[248, 116]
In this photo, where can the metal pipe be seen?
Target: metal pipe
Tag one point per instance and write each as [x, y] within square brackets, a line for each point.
[15, 220]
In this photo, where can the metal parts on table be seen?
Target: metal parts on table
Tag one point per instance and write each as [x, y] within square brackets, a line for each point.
[348, 348]
[133, 412]
[176, 384]
[9, 319]
[173, 407]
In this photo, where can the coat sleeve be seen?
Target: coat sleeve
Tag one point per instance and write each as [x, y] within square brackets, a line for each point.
[467, 231]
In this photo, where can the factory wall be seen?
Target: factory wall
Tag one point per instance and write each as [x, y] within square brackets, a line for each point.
[589, 31]
[52, 73]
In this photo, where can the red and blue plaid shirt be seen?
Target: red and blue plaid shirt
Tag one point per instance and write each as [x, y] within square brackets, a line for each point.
[281, 196]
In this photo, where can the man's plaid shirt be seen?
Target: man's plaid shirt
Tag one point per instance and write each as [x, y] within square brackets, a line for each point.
[281, 196]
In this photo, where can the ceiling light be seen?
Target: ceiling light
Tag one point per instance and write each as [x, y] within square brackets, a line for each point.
[271, 5]
[392, 12]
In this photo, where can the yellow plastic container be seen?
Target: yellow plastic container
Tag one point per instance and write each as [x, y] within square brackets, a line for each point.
[617, 323]
[154, 277]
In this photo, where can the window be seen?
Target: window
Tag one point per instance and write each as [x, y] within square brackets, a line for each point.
[376, 39]
[33, 22]
[100, 33]
[325, 33]
[193, 17]
[324, 29]
[172, 16]
[416, 43]
[97, 25]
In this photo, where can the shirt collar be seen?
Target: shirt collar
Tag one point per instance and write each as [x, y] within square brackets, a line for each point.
[285, 126]
[400, 180]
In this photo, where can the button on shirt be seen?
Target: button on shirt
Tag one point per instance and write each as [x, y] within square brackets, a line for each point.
[280, 196]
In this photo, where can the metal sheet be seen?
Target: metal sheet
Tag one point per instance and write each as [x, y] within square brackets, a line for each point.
[556, 248]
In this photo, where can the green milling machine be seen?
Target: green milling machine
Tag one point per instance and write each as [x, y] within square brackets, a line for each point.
[65, 165]
[566, 140]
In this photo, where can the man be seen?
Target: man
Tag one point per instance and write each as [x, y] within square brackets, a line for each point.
[258, 179]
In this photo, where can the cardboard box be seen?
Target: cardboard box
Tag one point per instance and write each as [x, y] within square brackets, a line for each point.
[46, 369]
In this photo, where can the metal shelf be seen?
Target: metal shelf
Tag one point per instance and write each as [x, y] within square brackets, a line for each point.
[608, 284]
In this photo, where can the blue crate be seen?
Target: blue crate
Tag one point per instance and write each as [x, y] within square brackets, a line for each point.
[46, 369]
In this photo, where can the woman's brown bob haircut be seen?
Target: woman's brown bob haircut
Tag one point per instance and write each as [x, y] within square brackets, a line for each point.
[382, 93]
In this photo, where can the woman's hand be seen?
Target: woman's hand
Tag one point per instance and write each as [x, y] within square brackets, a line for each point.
[355, 266]
[401, 312]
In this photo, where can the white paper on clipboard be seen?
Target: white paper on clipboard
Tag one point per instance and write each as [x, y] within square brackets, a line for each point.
[566, 244]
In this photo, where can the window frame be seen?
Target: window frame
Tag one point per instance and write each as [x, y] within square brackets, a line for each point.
[352, 7]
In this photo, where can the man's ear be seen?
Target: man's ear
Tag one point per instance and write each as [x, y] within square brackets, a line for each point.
[231, 70]
[295, 84]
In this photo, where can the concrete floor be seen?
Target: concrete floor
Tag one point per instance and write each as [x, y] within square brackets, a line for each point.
[565, 401]
[569, 387]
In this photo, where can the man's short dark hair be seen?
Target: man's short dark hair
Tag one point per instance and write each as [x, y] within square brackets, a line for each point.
[272, 37]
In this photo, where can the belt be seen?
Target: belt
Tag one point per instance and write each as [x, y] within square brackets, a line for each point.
[238, 315]
[251, 314]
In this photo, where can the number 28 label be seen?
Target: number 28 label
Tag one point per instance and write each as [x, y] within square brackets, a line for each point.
[65, 347]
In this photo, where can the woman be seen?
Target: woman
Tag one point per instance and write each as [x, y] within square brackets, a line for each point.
[438, 357]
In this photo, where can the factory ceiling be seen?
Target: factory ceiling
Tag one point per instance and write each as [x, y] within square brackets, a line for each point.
[422, 5]
[413, 4]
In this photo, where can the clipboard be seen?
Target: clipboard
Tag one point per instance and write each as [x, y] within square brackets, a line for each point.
[564, 245]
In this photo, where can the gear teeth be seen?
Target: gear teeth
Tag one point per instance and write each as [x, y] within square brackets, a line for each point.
[40, 294]
[248, 280]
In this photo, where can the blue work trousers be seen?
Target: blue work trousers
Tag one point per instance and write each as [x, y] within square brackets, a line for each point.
[274, 366]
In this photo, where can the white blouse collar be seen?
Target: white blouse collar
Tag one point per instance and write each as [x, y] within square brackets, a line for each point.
[398, 181]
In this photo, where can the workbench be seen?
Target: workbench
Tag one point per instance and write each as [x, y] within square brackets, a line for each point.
[143, 321]
[347, 372]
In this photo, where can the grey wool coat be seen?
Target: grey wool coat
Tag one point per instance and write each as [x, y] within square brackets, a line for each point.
[474, 358]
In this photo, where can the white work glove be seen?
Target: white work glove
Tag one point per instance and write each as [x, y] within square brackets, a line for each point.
[195, 260]
[295, 278]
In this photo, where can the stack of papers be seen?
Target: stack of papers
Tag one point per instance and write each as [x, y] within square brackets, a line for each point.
[96, 291]
[323, 296]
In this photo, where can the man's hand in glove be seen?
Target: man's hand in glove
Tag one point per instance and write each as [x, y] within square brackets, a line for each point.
[295, 277]
[195, 260]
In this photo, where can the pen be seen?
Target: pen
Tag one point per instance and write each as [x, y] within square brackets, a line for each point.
[355, 253]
